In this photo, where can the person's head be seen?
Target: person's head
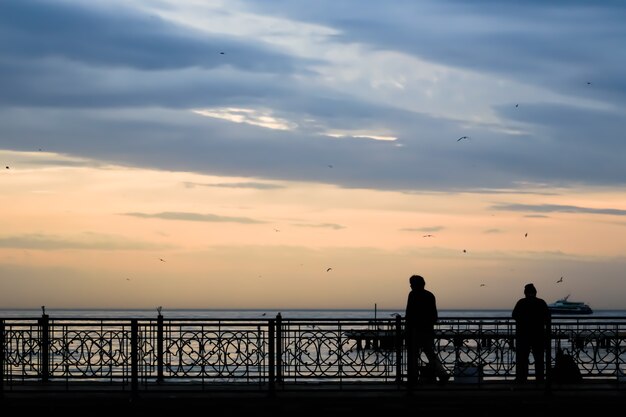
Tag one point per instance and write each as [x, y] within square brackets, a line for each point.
[417, 282]
[530, 290]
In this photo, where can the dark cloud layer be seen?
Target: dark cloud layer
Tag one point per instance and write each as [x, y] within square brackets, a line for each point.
[119, 36]
[117, 85]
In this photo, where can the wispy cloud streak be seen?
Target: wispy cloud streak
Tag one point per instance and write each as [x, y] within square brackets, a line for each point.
[557, 208]
[193, 217]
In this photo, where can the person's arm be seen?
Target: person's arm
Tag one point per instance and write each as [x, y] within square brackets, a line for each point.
[516, 311]
[546, 312]
[433, 309]
[409, 308]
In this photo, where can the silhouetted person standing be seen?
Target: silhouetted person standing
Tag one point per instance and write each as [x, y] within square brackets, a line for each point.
[421, 316]
[532, 316]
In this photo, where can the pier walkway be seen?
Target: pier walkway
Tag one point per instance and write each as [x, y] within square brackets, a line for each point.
[490, 399]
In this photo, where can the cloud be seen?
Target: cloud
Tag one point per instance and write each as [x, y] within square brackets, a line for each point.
[423, 229]
[85, 241]
[557, 208]
[333, 226]
[249, 116]
[194, 217]
[252, 185]
[543, 44]
[363, 135]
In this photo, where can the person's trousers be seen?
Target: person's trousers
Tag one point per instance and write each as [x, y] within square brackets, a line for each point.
[416, 344]
[522, 356]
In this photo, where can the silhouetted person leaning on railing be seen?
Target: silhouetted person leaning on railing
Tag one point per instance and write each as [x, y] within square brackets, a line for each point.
[421, 316]
[532, 316]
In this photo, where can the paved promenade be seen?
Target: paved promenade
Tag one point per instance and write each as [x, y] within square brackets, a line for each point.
[498, 399]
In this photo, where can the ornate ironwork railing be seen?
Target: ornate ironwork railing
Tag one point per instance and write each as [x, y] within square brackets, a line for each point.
[137, 353]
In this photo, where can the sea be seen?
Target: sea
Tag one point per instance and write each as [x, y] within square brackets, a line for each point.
[261, 313]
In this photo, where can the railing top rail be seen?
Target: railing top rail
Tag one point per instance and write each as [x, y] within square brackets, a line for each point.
[556, 320]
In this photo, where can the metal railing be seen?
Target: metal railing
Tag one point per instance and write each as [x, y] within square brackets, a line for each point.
[137, 354]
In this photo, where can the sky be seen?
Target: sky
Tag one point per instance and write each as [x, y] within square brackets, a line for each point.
[296, 154]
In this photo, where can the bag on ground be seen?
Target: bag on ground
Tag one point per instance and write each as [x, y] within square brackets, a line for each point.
[565, 368]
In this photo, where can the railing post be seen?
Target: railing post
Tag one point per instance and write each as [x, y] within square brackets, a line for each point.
[279, 348]
[159, 348]
[399, 343]
[1, 356]
[44, 327]
[134, 357]
[616, 342]
[548, 358]
[271, 352]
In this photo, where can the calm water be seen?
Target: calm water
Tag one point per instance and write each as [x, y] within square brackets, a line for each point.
[255, 314]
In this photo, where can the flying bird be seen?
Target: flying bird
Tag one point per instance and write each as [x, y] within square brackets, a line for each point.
[221, 53]
[517, 105]
[482, 285]
[161, 259]
[560, 280]
[461, 138]
[7, 167]
[329, 269]
[464, 251]
[330, 166]
[525, 234]
[428, 236]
